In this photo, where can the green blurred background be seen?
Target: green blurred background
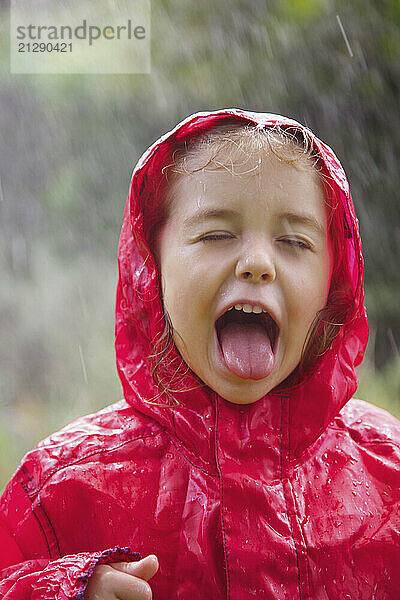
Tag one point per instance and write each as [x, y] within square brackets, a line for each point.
[68, 145]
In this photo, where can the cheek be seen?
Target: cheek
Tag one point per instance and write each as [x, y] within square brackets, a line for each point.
[169, 259]
[322, 275]
[171, 290]
[179, 284]
[186, 276]
[309, 294]
[320, 287]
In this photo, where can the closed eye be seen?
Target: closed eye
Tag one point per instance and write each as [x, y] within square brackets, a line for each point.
[296, 243]
[215, 237]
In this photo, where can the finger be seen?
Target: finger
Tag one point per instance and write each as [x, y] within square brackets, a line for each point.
[107, 583]
[144, 568]
[123, 586]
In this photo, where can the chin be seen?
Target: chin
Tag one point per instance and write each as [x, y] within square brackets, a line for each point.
[242, 400]
[243, 394]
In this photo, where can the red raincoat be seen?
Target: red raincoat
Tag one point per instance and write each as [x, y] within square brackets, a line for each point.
[293, 497]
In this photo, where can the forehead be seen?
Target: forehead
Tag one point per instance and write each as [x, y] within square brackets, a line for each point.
[258, 181]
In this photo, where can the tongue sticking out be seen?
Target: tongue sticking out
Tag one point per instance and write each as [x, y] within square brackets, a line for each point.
[247, 350]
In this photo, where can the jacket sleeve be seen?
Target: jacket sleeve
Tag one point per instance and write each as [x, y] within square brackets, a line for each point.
[27, 572]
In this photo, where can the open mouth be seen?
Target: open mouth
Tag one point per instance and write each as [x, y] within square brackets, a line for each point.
[248, 341]
[246, 319]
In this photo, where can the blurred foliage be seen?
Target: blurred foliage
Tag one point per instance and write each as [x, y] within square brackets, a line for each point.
[69, 143]
[382, 387]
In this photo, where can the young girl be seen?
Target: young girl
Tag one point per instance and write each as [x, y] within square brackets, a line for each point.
[237, 464]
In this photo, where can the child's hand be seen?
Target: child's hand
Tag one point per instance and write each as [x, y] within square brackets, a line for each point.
[122, 581]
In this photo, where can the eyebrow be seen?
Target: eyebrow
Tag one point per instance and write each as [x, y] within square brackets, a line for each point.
[224, 213]
[210, 213]
[302, 219]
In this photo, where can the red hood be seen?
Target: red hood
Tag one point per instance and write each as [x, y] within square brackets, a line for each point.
[300, 413]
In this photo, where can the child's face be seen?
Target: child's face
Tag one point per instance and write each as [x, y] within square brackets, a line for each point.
[257, 237]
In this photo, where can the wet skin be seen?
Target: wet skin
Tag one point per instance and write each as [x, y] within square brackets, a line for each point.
[258, 235]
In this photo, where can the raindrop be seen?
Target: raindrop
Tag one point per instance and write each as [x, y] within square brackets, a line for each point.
[83, 364]
[350, 51]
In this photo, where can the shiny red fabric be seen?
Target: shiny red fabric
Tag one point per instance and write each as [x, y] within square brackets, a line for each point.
[293, 497]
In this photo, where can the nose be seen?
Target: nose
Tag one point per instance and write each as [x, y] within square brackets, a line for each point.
[256, 265]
